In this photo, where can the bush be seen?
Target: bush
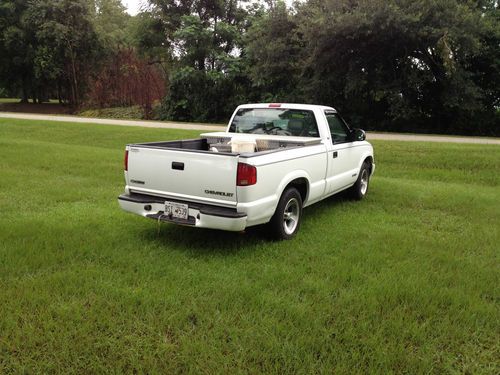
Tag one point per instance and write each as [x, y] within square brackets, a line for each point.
[126, 80]
[133, 112]
[197, 95]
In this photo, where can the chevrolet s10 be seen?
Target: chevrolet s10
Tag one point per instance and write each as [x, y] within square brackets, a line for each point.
[271, 162]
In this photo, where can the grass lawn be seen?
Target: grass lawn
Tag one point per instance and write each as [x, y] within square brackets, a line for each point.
[18, 100]
[406, 281]
[9, 100]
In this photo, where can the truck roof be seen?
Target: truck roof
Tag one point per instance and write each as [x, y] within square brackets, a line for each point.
[287, 105]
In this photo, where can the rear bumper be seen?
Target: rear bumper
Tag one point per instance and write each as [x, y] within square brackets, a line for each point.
[200, 215]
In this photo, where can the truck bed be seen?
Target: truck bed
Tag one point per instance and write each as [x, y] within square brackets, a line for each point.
[265, 143]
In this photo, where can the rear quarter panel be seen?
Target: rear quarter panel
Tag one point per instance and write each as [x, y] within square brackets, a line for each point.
[274, 172]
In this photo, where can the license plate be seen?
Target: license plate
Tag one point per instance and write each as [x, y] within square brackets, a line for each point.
[177, 210]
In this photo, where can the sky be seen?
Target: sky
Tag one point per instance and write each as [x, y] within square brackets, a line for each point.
[132, 6]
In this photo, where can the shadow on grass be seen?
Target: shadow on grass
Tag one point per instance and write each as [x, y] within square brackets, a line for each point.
[200, 241]
[328, 204]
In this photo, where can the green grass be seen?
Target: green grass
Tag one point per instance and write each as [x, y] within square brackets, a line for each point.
[18, 100]
[9, 100]
[406, 281]
[132, 113]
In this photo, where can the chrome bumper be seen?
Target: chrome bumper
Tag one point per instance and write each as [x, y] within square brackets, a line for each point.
[199, 215]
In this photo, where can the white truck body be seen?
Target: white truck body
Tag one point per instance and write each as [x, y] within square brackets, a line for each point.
[204, 182]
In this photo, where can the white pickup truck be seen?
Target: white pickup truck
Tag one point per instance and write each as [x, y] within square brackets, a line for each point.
[272, 160]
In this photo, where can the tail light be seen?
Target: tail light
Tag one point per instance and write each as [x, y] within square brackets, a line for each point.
[247, 175]
[125, 161]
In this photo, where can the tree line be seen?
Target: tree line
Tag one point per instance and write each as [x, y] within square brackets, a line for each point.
[396, 65]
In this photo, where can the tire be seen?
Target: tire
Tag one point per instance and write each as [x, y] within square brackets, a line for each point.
[290, 204]
[360, 188]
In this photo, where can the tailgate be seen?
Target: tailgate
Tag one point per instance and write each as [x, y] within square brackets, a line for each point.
[194, 176]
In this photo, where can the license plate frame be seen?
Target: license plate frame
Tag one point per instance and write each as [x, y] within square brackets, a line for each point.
[177, 210]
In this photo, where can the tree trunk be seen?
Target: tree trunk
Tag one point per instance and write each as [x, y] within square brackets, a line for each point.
[74, 80]
[24, 99]
[59, 91]
[33, 94]
[201, 63]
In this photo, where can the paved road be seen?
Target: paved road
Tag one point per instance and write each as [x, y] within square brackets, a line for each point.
[194, 126]
[146, 124]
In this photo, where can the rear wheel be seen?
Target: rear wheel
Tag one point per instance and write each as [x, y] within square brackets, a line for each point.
[285, 222]
[360, 188]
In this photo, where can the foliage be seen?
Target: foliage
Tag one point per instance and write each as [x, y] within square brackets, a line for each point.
[16, 47]
[272, 47]
[423, 66]
[394, 63]
[126, 80]
[48, 46]
[202, 96]
[209, 78]
[68, 43]
[401, 65]
[111, 23]
[147, 36]
[133, 112]
[405, 281]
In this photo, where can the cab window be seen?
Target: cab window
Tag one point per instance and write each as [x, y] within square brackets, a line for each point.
[275, 121]
[338, 129]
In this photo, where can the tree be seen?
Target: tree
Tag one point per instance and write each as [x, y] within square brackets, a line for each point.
[111, 22]
[205, 39]
[272, 48]
[400, 64]
[17, 44]
[127, 80]
[68, 44]
[45, 45]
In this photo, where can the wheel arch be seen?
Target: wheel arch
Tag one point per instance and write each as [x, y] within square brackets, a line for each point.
[368, 159]
[299, 180]
[302, 185]
[366, 156]
[279, 223]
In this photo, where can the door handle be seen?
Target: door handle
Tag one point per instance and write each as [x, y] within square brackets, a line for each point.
[335, 154]
[177, 165]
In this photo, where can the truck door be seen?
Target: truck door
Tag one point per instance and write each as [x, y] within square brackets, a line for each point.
[342, 155]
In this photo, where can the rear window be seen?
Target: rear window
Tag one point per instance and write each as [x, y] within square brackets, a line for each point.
[275, 121]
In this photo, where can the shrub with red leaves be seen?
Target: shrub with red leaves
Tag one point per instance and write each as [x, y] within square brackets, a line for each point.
[126, 80]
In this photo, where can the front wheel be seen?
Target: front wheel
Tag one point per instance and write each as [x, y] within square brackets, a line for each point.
[360, 188]
[285, 222]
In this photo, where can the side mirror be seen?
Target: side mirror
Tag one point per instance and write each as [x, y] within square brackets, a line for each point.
[358, 135]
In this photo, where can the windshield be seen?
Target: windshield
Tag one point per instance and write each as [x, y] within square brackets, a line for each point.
[275, 121]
